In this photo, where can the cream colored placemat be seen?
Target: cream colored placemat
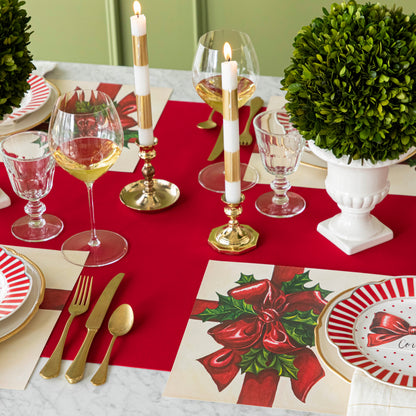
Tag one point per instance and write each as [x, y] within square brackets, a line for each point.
[129, 158]
[312, 170]
[189, 378]
[20, 353]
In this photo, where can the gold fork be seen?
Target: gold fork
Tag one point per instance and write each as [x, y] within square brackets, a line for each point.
[79, 305]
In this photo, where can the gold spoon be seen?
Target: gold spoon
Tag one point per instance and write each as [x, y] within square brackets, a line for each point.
[119, 324]
[208, 124]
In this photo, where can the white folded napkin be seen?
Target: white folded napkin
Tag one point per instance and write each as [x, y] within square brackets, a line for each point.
[43, 67]
[369, 397]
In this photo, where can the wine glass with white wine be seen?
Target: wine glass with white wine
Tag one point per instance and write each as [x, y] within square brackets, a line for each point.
[206, 78]
[86, 139]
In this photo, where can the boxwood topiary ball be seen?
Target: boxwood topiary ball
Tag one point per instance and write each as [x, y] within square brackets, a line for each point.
[351, 82]
[15, 59]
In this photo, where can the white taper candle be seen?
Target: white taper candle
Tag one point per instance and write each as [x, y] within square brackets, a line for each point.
[231, 128]
[141, 77]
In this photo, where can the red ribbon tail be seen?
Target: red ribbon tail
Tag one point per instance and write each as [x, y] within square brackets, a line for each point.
[373, 340]
[310, 372]
[222, 366]
[259, 389]
[110, 89]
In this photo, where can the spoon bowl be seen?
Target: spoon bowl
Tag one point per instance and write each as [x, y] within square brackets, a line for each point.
[119, 324]
[208, 124]
[121, 320]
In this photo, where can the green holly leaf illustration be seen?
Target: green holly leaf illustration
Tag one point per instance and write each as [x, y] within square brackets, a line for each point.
[297, 284]
[227, 309]
[129, 134]
[300, 326]
[246, 278]
[259, 359]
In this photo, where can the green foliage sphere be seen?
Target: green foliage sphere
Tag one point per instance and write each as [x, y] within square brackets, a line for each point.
[351, 82]
[15, 59]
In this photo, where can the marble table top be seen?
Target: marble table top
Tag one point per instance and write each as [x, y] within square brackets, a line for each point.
[128, 391]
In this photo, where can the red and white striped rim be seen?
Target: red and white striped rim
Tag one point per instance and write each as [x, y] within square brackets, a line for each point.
[37, 96]
[348, 328]
[15, 283]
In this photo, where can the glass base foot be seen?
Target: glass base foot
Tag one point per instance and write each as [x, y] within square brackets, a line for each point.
[50, 229]
[111, 249]
[212, 177]
[266, 206]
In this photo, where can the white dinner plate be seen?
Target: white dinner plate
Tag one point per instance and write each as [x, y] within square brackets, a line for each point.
[34, 118]
[33, 100]
[16, 322]
[374, 329]
[15, 283]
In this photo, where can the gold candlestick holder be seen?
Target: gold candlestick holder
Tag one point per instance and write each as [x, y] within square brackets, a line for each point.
[233, 238]
[149, 194]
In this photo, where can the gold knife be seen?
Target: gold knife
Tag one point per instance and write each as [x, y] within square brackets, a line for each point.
[218, 147]
[75, 371]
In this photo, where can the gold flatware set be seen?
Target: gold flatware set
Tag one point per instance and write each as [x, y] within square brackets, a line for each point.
[119, 324]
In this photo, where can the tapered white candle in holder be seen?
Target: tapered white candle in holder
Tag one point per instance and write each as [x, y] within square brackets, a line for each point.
[148, 194]
[141, 76]
[231, 128]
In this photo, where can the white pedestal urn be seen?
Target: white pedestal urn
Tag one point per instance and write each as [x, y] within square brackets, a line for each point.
[356, 188]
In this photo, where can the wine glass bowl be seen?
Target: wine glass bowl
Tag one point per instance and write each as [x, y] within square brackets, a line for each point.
[86, 139]
[207, 81]
[280, 146]
[30, 167]
[206, 69]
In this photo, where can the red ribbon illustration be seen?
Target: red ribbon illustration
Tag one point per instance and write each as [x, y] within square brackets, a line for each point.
[264, 330]
[387, 328]
[126, 106]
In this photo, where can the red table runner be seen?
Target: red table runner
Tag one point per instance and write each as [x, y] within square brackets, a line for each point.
[168, 250]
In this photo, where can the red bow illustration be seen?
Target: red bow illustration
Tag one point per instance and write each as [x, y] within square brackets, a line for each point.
[264, 330]
[387, 328]
[127, 104]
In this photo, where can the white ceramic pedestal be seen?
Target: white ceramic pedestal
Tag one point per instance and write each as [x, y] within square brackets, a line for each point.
[356, 188]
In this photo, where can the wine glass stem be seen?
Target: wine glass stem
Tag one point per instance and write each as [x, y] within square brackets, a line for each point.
[94, 241]
[35, 209]
[280, 186]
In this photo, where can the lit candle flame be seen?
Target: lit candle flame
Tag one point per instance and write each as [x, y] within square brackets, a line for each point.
[227, 51]
[137, 8]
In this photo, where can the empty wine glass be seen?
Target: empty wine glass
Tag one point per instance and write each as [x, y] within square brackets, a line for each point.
[280, 146]
[86, 138]
[31, 168]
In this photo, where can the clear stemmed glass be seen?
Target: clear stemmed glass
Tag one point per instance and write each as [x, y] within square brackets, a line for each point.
[31, 168]
[86, 138]
[280, 146]
[206, 79]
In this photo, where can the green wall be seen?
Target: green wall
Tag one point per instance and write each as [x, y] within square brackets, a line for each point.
[68, 30]
[98, 31]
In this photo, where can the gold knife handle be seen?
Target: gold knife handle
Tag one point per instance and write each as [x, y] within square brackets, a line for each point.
[255, 105]
[53, 366]
[75, 371]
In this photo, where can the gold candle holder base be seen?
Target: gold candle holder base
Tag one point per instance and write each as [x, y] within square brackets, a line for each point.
[233, 238]
[149, 194]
